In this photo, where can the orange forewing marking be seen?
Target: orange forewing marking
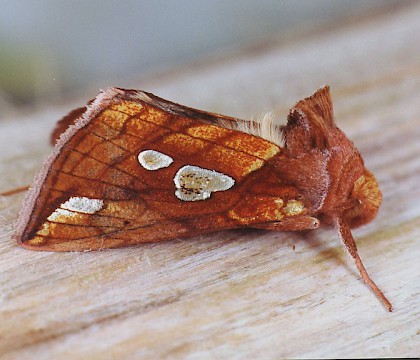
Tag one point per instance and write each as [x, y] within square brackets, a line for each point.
[316, 175]
[266, 209]
[262, 149]
[155, 116]
[208, 132]
[127, 108]
[185, 144]
[114, 119]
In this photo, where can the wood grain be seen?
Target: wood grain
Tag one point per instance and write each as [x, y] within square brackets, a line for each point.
[241, 294]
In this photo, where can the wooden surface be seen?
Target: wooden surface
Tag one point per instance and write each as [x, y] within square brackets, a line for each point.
[248, 293]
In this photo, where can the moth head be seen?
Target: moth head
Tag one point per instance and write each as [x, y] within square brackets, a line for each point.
[364, 201]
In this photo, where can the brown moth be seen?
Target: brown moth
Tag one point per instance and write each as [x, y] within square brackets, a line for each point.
[131, 168]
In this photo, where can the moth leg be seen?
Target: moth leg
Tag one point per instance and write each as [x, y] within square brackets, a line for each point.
[295, 223]
[15, 191]
[350, 245]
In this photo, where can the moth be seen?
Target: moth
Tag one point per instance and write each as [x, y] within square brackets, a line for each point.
[131, 168]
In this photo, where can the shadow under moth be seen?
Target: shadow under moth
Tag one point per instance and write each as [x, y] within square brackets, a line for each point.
[131, 168]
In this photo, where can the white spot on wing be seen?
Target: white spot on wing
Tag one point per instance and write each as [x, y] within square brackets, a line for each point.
[194, 183]
[154, 160]
[83, 205]
[60, 213]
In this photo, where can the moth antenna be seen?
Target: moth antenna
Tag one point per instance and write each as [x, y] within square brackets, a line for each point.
[15, 191]
[350, 245]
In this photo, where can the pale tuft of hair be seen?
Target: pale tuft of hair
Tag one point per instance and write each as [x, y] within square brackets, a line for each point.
[265, 126]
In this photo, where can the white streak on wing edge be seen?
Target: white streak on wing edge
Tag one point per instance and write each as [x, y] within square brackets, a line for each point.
[83, 205]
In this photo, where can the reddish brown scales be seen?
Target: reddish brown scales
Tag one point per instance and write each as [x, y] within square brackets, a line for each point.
[93, 193]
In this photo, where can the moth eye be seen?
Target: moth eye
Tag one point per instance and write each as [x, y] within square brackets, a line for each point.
[154, 160]
[194, 183]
